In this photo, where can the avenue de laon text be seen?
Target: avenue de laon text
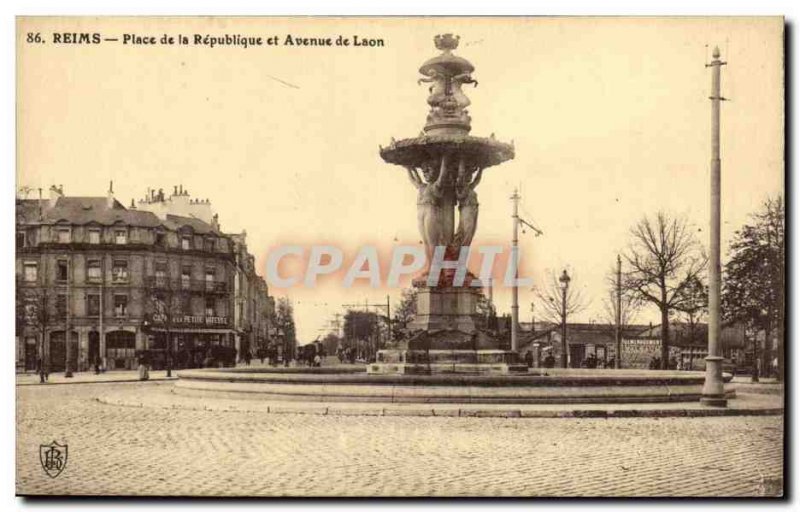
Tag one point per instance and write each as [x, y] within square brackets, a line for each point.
[212, 40]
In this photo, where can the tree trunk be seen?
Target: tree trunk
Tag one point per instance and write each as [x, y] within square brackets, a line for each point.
[754, 378]
[781, 307]
[664, 337]
[766, 358]
[779, 346]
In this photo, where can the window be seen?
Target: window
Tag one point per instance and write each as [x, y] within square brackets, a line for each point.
[186, 277]
[159, 304]
[94, 271]
[180, 305]
[186, 242]
[161, 273]
[120, 345]
[211, 306]
[210, 278]
[120, 236]
[209, 244]
[61, 306]
[62, 271]
[161, 239]
[119, 271]
[93, 304]
[120, 305]
[94, 236]
[20, 240]
[31, 272]
[63, 235]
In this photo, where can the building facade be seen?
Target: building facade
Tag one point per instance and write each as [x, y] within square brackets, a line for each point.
[121, 281]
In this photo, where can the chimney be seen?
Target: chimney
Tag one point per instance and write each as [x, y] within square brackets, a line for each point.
[55, 193]
[110, 197]
[175, 190]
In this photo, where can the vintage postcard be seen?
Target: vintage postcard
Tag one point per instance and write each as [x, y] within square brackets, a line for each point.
[400, 257]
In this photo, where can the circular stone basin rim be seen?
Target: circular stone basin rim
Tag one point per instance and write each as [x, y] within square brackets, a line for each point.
[358, 376]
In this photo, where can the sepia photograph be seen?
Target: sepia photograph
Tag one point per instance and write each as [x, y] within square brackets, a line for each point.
[400, 257]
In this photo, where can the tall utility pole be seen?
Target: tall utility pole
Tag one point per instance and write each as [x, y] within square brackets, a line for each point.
[514, 287]
[515, 260]
[618, 329]
[713, 390]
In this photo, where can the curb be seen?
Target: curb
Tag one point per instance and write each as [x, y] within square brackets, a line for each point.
[473, 413]
[158, 379]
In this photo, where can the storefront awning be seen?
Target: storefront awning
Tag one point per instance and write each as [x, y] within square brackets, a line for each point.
[195, 331]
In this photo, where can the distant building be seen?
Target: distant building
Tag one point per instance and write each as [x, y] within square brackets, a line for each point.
[122, 280]
[688, 345]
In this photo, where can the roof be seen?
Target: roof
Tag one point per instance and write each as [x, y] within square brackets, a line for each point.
[78, 210]
[200, 227]
[27, 210]
[86, 210]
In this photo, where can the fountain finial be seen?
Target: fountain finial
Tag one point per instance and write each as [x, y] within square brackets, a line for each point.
[446, 42]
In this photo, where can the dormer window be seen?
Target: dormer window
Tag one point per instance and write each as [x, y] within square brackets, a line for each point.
[63, 235]
[186, 242]
[120, 236]
[94, 236]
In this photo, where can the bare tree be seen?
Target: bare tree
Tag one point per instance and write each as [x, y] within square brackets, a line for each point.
[33, 312]
[164, 310]
[663, 258]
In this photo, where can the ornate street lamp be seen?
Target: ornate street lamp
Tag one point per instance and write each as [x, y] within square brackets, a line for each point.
[564, 282]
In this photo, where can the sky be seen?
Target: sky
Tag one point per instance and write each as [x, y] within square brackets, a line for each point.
[610, 119]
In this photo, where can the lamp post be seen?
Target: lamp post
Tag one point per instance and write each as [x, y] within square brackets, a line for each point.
[564, 282]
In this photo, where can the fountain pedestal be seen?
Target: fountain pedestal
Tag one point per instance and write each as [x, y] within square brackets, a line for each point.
[446, 339]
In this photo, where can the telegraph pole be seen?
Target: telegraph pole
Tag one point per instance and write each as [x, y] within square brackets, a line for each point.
[618, 329]
[713, 389]
[515, 262]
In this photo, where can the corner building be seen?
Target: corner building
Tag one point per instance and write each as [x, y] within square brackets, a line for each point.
[120, 280]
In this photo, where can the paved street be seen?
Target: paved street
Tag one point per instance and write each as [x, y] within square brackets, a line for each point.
[128, 450]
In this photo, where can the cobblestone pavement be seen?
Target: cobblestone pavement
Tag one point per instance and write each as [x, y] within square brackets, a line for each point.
[126, 450]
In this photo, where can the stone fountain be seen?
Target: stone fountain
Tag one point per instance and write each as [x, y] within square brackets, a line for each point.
[447, 358]
[445, 164]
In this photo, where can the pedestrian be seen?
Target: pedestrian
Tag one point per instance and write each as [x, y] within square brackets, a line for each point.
[143, 373]
[529, 359]
[97, 365]
[41, 366]
[317, 360]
